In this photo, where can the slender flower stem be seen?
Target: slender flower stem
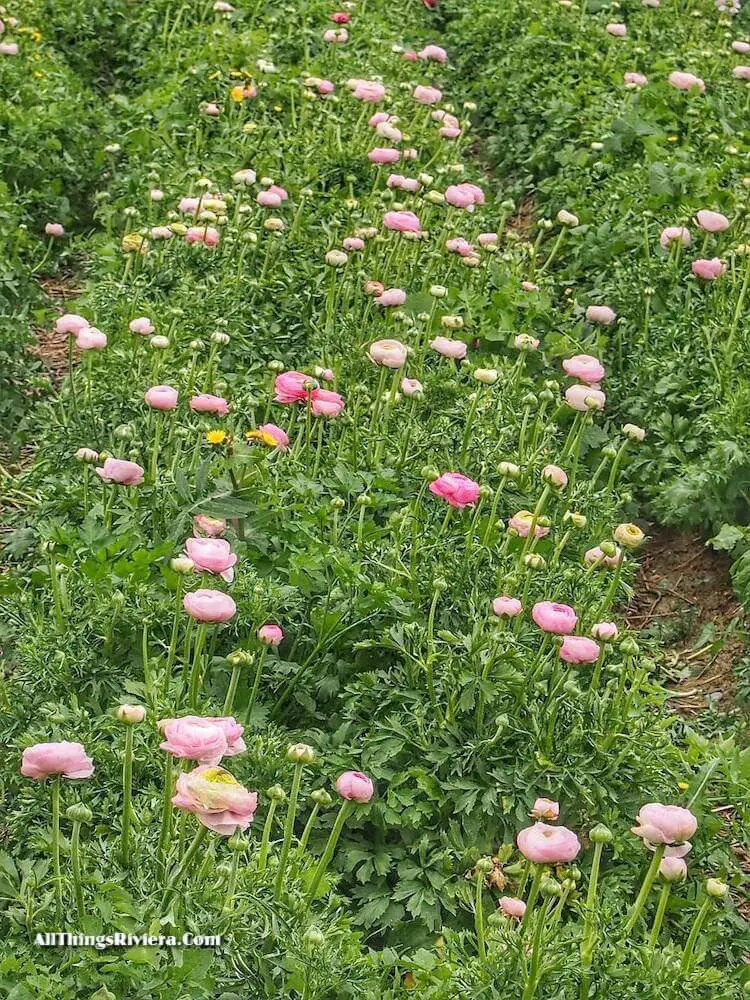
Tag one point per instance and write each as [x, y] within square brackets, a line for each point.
[291, 814]
[643, 895]
[338, 826]
[56, 845]
[183, 867]
[479, 915]
[127, 795]
[687, 956]
[588, 943]
[661, 909]
[533, 893]
[536, 953]
[171, 655]
[166, 810]
[617, 461]
[195, 675]
[231, 883]
[263, 853]
[256, 683]
[75, 866]
[308, 827]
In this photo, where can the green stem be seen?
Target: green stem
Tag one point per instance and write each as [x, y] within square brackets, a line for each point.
[308, 827]
[263, 853]
[536, 953]
[166, 811]
[687, 956]
[56, 845]
[195, 674]
[533, 893]
[75, 865]
[479, 915]
[127, 794]
[232, 883]
[187, 860]
[643, 895]
[256, 683]
[338, 826]
[291, 814]
[659, 915]
[588, 943]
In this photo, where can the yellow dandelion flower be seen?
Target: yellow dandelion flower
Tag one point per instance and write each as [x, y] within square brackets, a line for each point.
[263, 436]
[237, 94]
[216, 437]
[683, 786]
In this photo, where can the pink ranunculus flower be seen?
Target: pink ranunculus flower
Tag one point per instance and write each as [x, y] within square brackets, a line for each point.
[595, 555]
[47, 760]
[194, 738]
[216, 798]
[270, 635]
[553, 475]
[521, 523]
[460, 246]
[117, 470]
[456, 489]
[585, 397]
[488, 239]
[545, 809]
[427, 95]
[378, 118]
[635, 79]
[450, 132]
[673, 869]
[449, 348]
[189, 206]
[340, 17]
[161, 397]
[267, 199]
[71, 323]
[383, 154]
[559, 619]
[512, 907]
[389, 353]
[548, 845]
[741, 72]
[686, 81]
[212, 555]
[601, 314]
[371, 92]
[326, 403]
[209, 606]
[336, 36]
[353, 243]
[605, 631]
[506, 607]
[391, 297]
[141, 325]
[711, 222]
[409, 55]
[54, 229]
[434, 53]
[91, 339]
[8, 48]
[460, 196]
[411, 387]
[290, 387]
[579, 649]
[660, 824]
[211, 527]
[617, 30]
[206, 235]
[279, 435]
[355, 786]
[674, 234]
[402, 222]
[204, 402]
[585, 368]
[708, 270]
[742, 47]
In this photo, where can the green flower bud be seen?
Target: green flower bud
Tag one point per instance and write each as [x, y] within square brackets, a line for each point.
[301, 753]
[79, 813]
[314, 937]
[601, 834]
[321, 797]
[276, 793]
[484, 866]
[716, 888]
[629, 646]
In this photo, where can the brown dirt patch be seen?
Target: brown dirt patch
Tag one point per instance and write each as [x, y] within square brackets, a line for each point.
[522, 222]
[49, 346]
[683, 595]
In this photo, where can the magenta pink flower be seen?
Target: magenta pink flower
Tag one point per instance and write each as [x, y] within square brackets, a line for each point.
[117, 470]
[212, 527]
[401, 222]
[46, 760]
[559, 619]
[585, 368]
[340, 17]
[545, 809]
[355, 786]
[291, 387]
[512, 907]
[579, 649]
[326, 403]
[278, 434]
[456, 489]
[270, 635]
[212, 555]
[216, 798]
[660, 824]
[708, 270]
[506, 607]
[161, 397]
[209, 606]
[204, 402]
[548, 845]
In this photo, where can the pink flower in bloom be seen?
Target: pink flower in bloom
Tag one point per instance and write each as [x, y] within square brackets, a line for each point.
[553, 475]
[741, 72]
[71, 323]
[559, 619]
[378, 118]
[212, 555]
[355, 786]
[460, 196]
[117, 470]
[141, 325]
[686, 81]
[209, 606]
[161, 397]
[584, 397]
[371, 92]
[270, 635]
[454, 349]
[46, 760]
[545, 809]
[521, 523]
[390, 353]
[340, 17]
[91, 339]
[434, 53]
[601, 314]
[585, 368]
[456, 489]
[427, 95]
[189, 206]
[512, 907]
[391, 297]
[674, 234]
[450, 132]
[336, 36]
[548, 845]
[411, 387]
[326, 403]
[460, 246]
[635, 79]
[618, 30]
[211, 109]
[8, 48]
[279, 435]
[196, 738]
[383, 154]
[506, 607]
[595, 555]
[280, 192]
[660, 824]
[742, 47]
[290, 387]
[212, 527]
[54, 229]
[206, 235]
[579, 649]
[606, 631]
[708, 270]
[216, 798]
[353, 243]
[487, 239]
[711, 222]
[409, 55]
[267, 199]
[204, 402]
[529, 286]
[401, 222]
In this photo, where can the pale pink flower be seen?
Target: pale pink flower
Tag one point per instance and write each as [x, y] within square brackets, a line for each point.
[548, 845]
[545, 809]
[711, 222]
[708, 270]
[601, 314]
[585, 368]
[117, 470]
[427, 95]
[660, 824]
[686, 81]
[512, 907]
[216, 798]
[506, 607]
[449, 348]
[204, 402]
[558, 619]
[674, 234]
[585, 397]
[161, 397]
[46, 760]
[209, 606]
[579, 649]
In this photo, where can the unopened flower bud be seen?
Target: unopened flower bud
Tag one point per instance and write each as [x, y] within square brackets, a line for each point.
[181, 564]
[131, 715]
[633, 432]
[276, 793]
[601, 834]
[79, 813]
[321, 797]
[716, 888]
[301, 753]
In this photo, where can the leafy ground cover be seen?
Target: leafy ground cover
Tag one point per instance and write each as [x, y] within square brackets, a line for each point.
[327, 504]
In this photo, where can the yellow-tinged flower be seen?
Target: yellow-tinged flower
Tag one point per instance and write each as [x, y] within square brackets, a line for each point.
[134, 243]
[629, 536]
[216, 437]
[264, 436]
[683, 786]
